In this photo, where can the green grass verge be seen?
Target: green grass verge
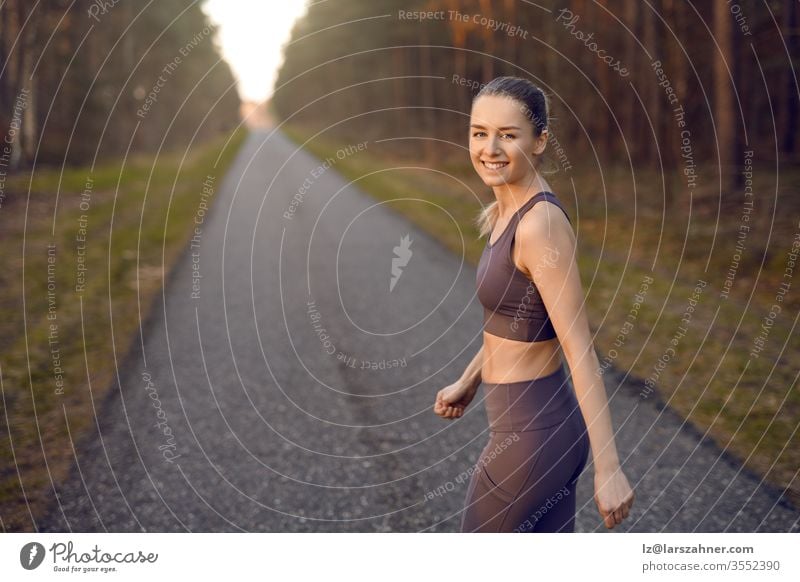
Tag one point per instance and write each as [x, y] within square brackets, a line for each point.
[138, 215]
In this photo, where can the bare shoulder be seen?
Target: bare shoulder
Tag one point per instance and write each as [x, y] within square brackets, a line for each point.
[545, 221]
[544, 237]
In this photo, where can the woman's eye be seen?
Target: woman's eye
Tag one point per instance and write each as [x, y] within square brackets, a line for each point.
[483, 133]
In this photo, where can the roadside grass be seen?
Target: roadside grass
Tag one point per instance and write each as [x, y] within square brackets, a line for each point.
[138, 217]
[748, 404]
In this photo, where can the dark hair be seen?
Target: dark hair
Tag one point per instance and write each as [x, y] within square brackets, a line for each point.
[530, 96]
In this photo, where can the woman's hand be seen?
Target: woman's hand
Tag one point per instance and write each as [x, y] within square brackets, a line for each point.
[613, 496]
[453, 399]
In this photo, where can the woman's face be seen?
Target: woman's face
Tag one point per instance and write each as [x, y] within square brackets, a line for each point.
[501, 142]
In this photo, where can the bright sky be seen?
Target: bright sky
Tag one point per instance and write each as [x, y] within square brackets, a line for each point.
[251, 35]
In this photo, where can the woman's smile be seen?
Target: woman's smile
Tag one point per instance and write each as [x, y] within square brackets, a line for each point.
[494, 165]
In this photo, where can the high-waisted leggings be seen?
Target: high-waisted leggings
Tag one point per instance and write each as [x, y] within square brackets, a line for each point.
[525, 478]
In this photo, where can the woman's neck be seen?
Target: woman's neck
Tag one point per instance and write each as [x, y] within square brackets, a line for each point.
[510, 197]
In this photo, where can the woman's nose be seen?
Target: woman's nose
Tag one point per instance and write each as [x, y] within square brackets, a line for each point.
[493, 146]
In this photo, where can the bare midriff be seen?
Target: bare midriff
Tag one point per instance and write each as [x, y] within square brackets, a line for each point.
[506, 360]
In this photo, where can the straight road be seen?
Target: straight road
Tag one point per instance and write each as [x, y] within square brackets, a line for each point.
[284, 383]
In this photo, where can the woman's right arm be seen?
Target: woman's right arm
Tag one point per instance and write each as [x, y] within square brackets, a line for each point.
[452, 400]
[471, 378]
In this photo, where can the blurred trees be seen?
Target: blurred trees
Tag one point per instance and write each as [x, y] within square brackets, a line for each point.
[75, 76]
[729, 66]
[723, 93]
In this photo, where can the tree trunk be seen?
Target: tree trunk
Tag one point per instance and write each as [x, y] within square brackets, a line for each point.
[723, 96]
[550, 57]
[676, 67]
[458, 34]
[20, 79]
[602, 72]
[510, 16]
[789, 105]
[632, 108]
[653, 96]
[488, 44]
[427, 92]
[29, 85]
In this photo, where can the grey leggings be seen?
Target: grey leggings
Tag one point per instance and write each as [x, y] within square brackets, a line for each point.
[525, 478]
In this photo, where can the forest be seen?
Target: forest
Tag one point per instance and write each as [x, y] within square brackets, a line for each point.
[85, 80]
[679, 86]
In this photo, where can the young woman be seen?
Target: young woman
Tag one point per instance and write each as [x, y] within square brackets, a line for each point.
[528, 283]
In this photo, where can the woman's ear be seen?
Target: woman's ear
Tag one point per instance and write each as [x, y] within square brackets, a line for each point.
[541, 143]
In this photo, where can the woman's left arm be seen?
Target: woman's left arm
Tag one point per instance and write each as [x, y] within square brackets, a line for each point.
[547, 248]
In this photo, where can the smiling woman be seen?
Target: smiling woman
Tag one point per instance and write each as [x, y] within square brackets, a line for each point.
[533, 306]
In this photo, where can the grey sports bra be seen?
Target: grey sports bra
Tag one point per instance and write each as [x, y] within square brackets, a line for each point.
[512, 306]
